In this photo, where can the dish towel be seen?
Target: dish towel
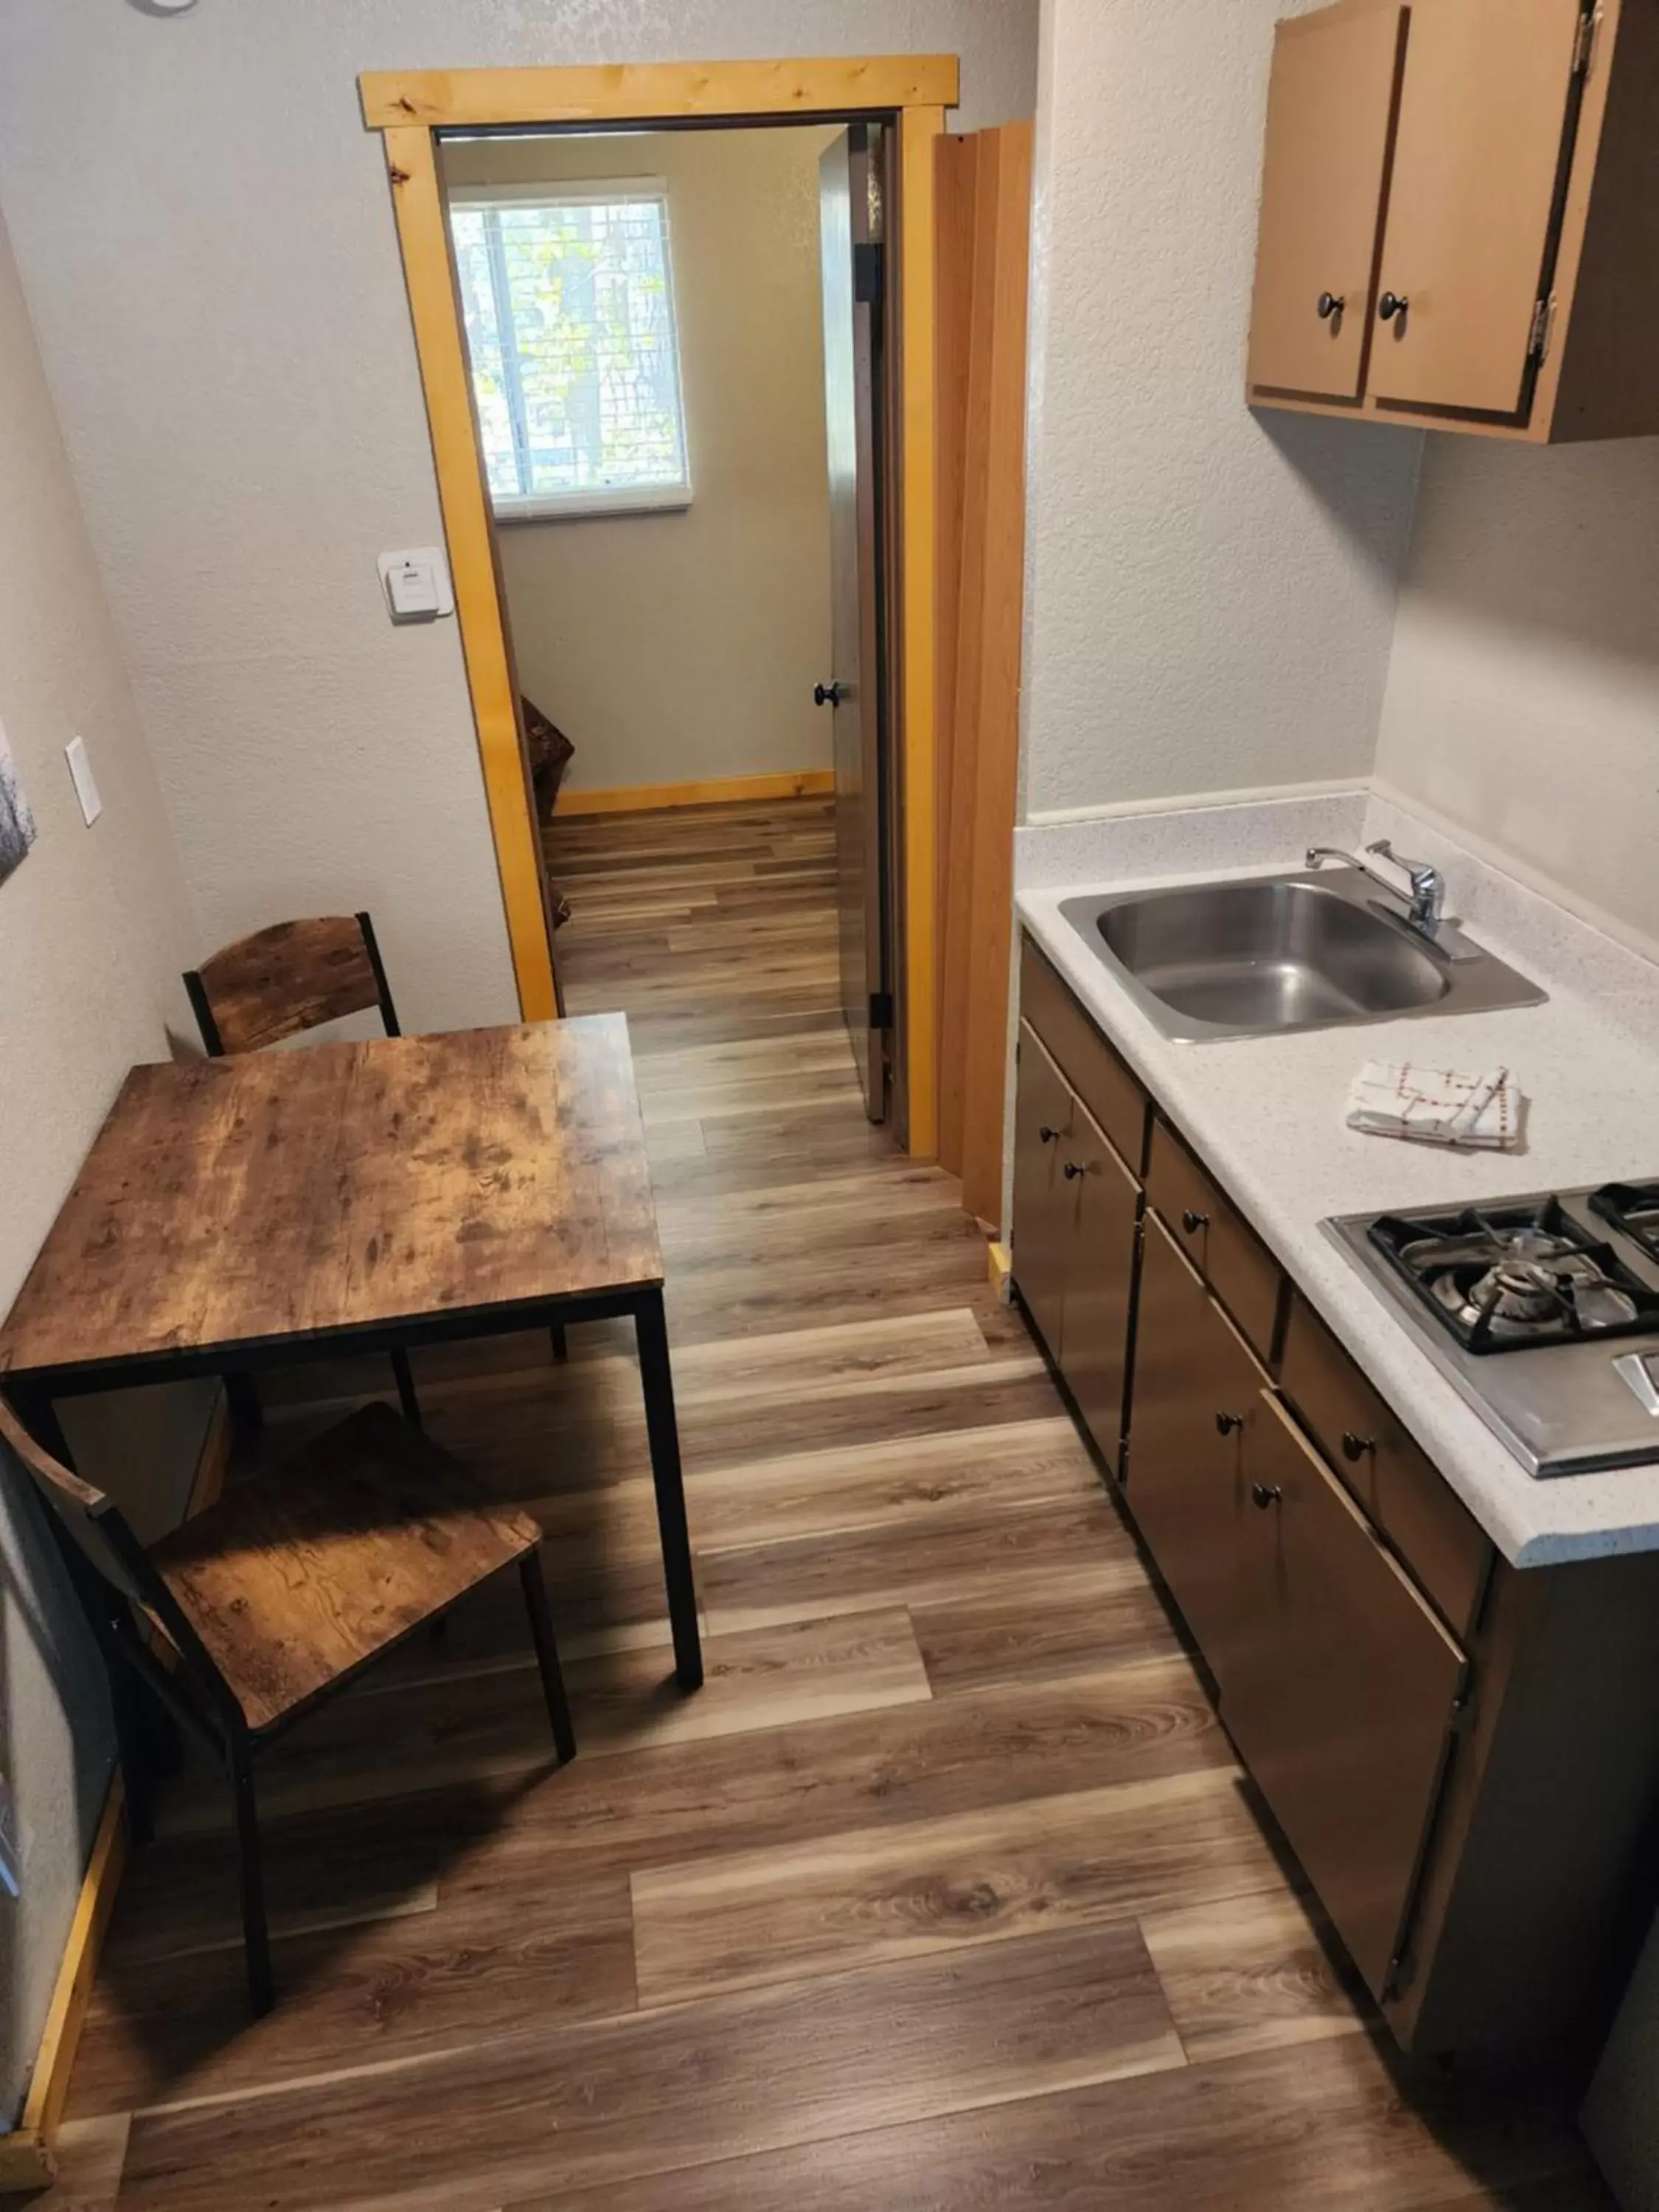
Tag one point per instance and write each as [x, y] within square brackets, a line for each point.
[1437, 1106]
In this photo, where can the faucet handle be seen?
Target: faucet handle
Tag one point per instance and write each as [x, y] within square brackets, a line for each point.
[1428, 885]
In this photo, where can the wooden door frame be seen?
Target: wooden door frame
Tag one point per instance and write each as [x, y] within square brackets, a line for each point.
[410, 109]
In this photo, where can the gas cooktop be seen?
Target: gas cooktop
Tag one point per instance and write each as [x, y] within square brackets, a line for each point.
[1542, 1311]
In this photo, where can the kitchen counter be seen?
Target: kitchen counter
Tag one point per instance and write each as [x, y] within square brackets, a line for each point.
[1267, 1113]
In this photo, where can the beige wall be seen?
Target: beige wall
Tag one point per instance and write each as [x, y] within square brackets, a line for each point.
[93, 931]
[676, 647]
[221, 311]
[1210, 593]
[1523, 701]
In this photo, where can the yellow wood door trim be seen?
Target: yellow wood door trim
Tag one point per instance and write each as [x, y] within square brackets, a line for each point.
[409, 107]
[644, 91]
[708, 791]
[423, 233]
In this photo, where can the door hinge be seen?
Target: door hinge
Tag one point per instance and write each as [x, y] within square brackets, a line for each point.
[1543, 328]
[1583, 52]
[867, 274]
[881, 1010]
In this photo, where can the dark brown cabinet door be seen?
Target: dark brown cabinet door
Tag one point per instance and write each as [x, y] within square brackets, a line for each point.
[1100, 1281]
[1043, 1195]
[1339, 1693]
[1197, 1399]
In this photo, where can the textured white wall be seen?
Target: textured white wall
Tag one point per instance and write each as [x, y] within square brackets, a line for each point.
[93, 931]
[206, 239]
[1522, 702]
[678, 646]
[1209, 592]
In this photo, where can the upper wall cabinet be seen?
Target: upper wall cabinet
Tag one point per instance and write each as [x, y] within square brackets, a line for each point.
[1460, 217]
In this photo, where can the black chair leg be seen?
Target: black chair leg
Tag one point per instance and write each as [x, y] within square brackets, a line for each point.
[406, 1398]
[242, 1396]
[561, 1345]
[255, 1935]
[547, 1655]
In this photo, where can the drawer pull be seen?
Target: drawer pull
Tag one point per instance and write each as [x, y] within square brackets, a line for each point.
[1229, 1425]
[1264, 1494]
[1355, 1447]
[1046, 1135]
[1192, 1222]
[1074, 1170]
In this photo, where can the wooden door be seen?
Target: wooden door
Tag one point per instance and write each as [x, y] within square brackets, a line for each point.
[1043, 1128]
[983, 241]
[850, 201]
[1486, 112]
[1197, 1396]
[1330, 115]
[1100, 1279]
[1340, 1697]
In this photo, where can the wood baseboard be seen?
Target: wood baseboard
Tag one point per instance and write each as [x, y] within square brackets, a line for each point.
[719, 790]
[26, 2159]
[1000, 1264]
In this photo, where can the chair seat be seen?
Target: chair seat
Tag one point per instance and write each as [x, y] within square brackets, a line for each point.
[298, 1578]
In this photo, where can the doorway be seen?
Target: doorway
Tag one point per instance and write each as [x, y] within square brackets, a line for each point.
[885, 116]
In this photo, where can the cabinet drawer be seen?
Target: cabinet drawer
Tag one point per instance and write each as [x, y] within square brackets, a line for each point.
[1340, 1698]
[1198, 1394]
[1093, 1069]
[1428, 1525]
[1216, 1238]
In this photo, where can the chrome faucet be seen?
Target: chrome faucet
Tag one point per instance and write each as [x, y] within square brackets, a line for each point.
[1428, 892]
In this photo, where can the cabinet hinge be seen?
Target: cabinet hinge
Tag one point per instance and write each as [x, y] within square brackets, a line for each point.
[881, 1010]
[1583, 52]
[1461, 1719]
[1543, 328]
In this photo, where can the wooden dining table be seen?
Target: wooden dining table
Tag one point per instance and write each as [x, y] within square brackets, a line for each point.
[271, 1207]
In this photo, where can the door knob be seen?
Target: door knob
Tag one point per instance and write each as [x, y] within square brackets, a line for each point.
[1074, 1170]
[1046, 1135]
[1228, 1424]
[1355, 1447]
[1330, 303]
[1264, 1494]
[1192, 1222]
[826, 694]
[1392, 304]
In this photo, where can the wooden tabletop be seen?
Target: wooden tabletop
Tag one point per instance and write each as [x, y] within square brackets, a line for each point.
[273, 1195]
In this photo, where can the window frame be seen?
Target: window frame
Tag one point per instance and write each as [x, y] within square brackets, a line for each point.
[627, 499]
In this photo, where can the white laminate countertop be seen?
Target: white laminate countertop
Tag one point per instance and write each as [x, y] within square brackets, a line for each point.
[1266, 1115]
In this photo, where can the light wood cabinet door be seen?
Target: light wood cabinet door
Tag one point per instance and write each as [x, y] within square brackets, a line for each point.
[1197, 1397]
[1339, 1692]
[1100, 1281]
[1485, 111]
[1043, 1196]
[1330, 111]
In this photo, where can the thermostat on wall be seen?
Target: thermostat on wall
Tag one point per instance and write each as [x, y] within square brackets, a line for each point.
[416, 584]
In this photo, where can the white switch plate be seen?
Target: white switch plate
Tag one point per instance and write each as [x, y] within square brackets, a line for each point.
[86, 787]
[415, 581]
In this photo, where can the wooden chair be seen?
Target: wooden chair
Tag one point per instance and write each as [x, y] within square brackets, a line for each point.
[248, 1616]
[278, 983]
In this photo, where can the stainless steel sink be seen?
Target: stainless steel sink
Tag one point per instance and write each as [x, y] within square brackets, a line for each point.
[1274, 953]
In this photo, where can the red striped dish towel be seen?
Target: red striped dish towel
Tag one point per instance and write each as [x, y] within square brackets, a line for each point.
[1437, 1106]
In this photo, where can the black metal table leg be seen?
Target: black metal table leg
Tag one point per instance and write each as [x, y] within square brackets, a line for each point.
[663, 1430]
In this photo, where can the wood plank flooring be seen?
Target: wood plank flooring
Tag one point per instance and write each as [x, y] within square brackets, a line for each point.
[945, 1893]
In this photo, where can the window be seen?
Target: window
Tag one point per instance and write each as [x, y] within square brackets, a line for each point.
[568, 301]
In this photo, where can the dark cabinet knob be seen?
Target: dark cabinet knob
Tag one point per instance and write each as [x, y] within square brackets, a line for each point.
[1192, 1222]
[1354, 1448]
[1392, 304]
[1046, 1135]
[1264, 1494]
[1330, 304]
[1074, 1170]
[1228, 1424]
[826, 694]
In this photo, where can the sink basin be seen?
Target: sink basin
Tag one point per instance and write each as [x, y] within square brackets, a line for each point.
[1286, 953]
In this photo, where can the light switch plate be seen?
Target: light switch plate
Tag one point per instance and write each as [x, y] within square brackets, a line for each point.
[415, 581]
[86, 787]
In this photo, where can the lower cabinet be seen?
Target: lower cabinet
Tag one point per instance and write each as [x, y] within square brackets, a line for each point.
[1340, 1692]
[1076, 1212]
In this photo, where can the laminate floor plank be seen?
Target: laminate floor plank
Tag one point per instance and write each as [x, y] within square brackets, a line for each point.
[858, 1900]
[1250, 1973]
[605, 2102]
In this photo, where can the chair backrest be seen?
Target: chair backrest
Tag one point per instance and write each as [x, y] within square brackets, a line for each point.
[104, 1556]
[288, 978]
